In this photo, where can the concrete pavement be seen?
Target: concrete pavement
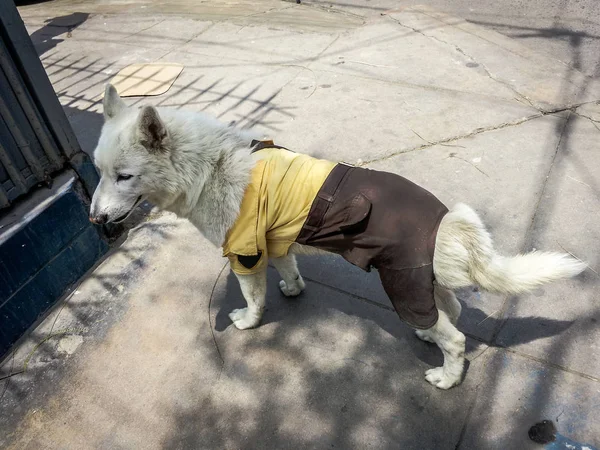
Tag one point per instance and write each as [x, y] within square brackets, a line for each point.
[566, 30]
[142, 354]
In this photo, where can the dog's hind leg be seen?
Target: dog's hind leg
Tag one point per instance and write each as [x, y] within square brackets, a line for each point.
[452, 343]
[291, 283]
[445, 300]
[254, 289]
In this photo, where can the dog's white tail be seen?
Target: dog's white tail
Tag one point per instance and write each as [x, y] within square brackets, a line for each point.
[464, 255]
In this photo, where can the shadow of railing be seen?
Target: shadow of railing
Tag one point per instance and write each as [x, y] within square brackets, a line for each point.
[79, 83]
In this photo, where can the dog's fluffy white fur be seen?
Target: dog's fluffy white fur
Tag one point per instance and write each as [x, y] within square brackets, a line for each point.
[198, 168]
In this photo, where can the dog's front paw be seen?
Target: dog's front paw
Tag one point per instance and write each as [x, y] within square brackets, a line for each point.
[424, 335]
[292, 289]
[440, 380]
[243, 319]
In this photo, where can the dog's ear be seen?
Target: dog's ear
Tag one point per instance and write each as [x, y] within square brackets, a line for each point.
[113, 104]
[152, 130]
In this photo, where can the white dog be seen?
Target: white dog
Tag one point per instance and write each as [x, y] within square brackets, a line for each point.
[200, 169]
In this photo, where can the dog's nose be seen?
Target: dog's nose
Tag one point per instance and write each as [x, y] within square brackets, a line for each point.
[99, 219]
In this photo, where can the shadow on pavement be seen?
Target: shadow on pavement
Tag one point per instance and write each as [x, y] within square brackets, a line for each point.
[340, 400]
[46, 38]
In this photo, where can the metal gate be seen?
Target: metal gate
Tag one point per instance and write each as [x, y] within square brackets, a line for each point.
[46, 241]
[36, 140]
[27, 151]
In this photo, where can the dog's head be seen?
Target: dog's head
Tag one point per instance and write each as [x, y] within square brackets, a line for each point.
[132, 157]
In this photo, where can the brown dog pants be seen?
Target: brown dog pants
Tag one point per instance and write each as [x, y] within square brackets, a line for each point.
[382, 220]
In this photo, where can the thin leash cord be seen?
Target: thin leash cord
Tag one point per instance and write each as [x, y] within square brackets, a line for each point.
[212, 332]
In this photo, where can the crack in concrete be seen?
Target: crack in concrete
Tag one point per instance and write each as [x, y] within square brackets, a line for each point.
[551, 364]
[475, 132]
[259, 13]
[334, 11]
[467, 420]
[568, 66]
[496, 44]
[453, 155]
[545, 185]
[178, 46]
[594, 121]
[506, 303]
[519, 97]
[144, 29]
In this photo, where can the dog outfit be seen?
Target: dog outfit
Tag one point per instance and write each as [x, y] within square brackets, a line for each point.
[371, 218]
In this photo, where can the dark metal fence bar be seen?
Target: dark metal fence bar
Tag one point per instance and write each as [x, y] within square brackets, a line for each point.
[3, 198]
[15, 174]
[40, 130]
[22, 143]
[36, 82]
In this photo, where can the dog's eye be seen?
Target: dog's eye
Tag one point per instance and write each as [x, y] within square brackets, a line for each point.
[123, 177]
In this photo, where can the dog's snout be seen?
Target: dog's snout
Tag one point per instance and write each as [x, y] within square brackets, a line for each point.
[99, 219]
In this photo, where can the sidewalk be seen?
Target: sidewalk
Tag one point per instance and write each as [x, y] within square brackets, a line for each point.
[142, 354]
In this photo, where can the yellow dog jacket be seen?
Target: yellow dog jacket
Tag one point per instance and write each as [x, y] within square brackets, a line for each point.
[282, 188]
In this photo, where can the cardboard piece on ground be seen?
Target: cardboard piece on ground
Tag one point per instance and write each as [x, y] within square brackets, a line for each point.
[146, 79]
